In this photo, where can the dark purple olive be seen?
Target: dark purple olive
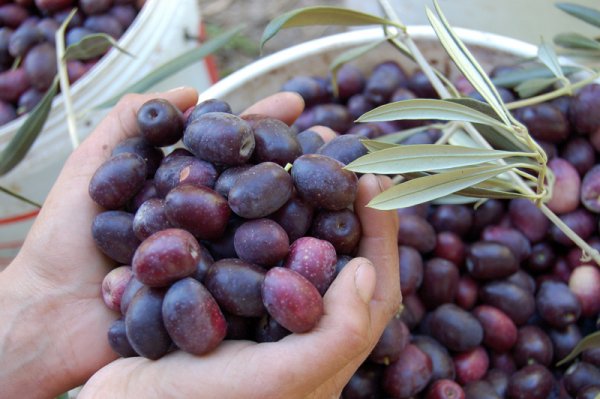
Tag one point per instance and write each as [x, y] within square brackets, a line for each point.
[411, 270]
[392, 342]
[416, 232]
[334, 116]
[510, 237]
[480, 390]
[544, 122]
[513, 300]
[455, 328]
[499, 381]
[528, 218]
[533, 346]
[579, 153]
[308, 87]
[557, 304]
[582, 112]
[345, 148]
[579, 376]
[455, 218]
[490, 260]
[531, 382]
[409, 375]
[365, 383]
[582, 222]
[310, 141]
[442, 364]
[440, 282]
[384, 79]
[564, 340]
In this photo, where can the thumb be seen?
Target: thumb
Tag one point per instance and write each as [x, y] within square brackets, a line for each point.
[344, 335]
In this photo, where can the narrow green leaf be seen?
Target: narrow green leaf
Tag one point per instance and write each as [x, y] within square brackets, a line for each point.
[63, 396]
[348, 56]
[406, 52]
[481, 192]
[500, 138]
[19, 197]
[23, 139]
[586, 14]
[576, 41]
[427, 109]
[397, 137]
[174, 65]
[420, 157]
[429, 188]
[374, 145]
[467, 64]
[516, 77]
[477, 106]
[455, 199]
[547, 55]
[588, 342]
[532, 87]
[321, 15]
[92, 46]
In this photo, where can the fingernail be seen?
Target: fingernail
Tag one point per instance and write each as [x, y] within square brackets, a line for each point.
[364, 280]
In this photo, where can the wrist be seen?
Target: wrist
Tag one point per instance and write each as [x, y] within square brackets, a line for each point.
[29, 349]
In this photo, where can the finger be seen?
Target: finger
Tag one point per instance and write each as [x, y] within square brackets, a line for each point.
[379, 244]
[326, 133]
[342, 336]
[285, 106]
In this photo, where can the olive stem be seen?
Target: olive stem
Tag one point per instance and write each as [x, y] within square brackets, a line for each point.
[553, 94]
[587, 249]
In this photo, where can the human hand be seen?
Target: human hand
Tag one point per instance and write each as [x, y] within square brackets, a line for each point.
[60, 258]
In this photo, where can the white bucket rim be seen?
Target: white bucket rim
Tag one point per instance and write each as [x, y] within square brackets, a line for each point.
[359, 37]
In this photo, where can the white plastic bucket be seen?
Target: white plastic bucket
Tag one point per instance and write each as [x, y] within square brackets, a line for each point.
[267, 75]
[157, 35]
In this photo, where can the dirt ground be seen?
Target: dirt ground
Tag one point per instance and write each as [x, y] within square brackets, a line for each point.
[221, 15]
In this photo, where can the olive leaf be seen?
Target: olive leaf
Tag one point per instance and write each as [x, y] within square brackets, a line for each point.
[588, 342]
[348, 56]
[482, 192]
[23, 139]
[92, 46]
[19, 197]
[535, 86]
[573, 40]
[586, 14]
[476, 105]
[174, 65]
[454, 199]
[413, 158]
[375, 145]
[501, 139]
[547, 55]
[404, 134]
[418, 109]
[514, 78]
[435, 186]
[467, 64]
[321, 15]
